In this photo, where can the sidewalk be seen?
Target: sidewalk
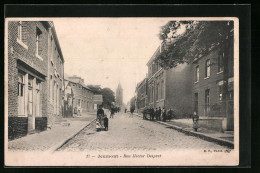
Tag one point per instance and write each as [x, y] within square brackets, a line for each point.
[52, 138]
[185, 126]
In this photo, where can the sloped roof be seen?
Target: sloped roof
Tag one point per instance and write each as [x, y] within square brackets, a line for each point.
[77, 81]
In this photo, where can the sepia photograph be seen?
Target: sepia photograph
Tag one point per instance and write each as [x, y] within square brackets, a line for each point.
[117, 91]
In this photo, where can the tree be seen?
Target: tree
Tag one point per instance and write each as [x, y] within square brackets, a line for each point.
[198, 39]
[132, 103]
[108, 97]
[107, 93]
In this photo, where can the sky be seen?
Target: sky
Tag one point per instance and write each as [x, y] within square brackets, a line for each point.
[106, 51]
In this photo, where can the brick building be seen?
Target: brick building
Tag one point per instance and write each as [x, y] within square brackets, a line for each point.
[169, 88]
[83, 97]
[141, 95]
[68, 98]
[207, 91]
[28, 75]
[55, 77]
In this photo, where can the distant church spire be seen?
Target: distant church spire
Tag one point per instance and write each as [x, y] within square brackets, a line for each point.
[119, 95]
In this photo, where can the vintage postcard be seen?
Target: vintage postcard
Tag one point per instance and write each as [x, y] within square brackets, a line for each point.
[154, 91]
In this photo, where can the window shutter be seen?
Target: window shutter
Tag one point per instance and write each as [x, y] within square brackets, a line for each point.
[24, 32]
[40, 47]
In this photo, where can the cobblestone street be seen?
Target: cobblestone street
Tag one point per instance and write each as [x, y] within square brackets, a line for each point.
[134, 134]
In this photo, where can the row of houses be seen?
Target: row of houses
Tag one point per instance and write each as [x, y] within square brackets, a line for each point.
[188, 88]
[37, 89]
[78, 98]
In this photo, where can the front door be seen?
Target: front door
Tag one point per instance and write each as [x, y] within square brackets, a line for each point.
[31, 116]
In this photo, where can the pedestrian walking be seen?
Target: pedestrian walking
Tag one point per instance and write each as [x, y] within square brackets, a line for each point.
[195, 119]
[112, 113]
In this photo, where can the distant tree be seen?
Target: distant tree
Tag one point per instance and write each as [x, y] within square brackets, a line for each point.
[198, 39]
[108, 97]
[132, 103]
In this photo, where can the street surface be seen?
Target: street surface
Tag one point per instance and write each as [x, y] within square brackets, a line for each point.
[134, 134]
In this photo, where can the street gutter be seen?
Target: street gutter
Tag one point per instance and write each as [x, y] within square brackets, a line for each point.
[203, 136]
[61, 144]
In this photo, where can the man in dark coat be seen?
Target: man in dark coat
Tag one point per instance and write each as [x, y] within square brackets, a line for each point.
[164, 114]
[156, 114]
[159, 114]
[100, 113]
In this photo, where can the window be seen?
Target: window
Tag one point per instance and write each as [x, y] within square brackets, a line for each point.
[220, 62]
[20, 93]
[156, 91]
[207, 69]
[54, 97]
[220, 91]
[51, 92]
[162, 90]
[22, 34]
[197, 74]
[207, 108]
[57, 100]
[51, 47]
[152, 94]
[20, 30]
[38, 50]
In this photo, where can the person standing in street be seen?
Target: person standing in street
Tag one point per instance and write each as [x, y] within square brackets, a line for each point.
[150, 113]
[156, 114]
[132, 112]
[106, 123]
[159, 114]
[164, 114]
[195, 120]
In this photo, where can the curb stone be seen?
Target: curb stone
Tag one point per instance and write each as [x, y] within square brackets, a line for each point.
[58, 146]
[203, 136]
